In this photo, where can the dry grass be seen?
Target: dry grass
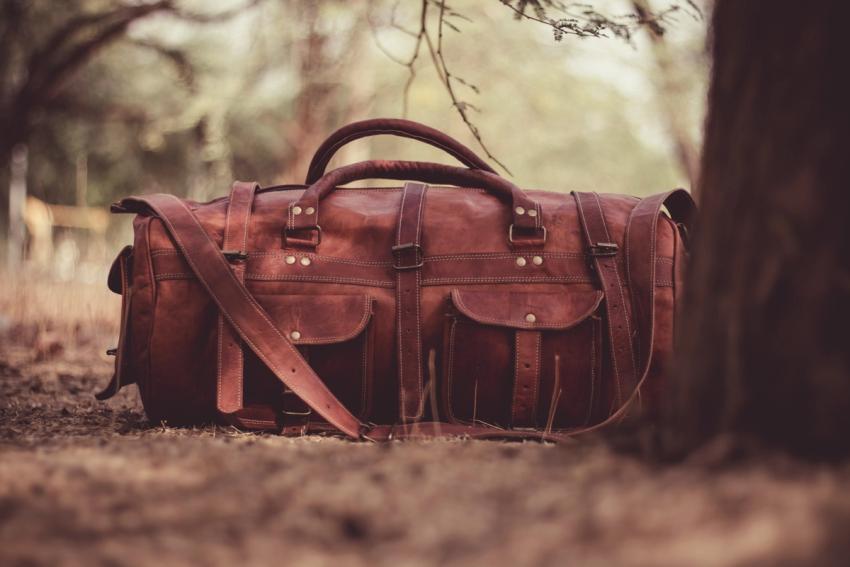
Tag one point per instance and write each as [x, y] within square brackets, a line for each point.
[31, 300]
[85, 483]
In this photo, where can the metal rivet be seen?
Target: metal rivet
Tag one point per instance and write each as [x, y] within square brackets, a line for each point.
[520, 211]
[305, 261]
[537, 260]
[532, 212]
[309, 211]
[296, 210]
[294, 335]
[290, 260]
[530, 318]
[521, 262]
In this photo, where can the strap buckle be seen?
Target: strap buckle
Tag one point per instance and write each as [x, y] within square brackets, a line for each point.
[511, 238]
[295, 413]
[602, 249]
[290, 234]
[419, 258]
[233, 255]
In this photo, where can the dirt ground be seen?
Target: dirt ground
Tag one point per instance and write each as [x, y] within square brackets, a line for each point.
[89, 483]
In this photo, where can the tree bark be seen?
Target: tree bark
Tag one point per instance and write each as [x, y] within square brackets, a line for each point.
[764, 351]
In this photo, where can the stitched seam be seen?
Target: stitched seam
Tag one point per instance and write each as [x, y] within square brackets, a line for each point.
[500, 256]
[594, 329]
[427, 259]
[420, 208]
[365, 349]
[247, 223]
[506, 280]
[322, 279]
[332, 259]
[364, 320]
[602, 216]
[628, 262]
[325, 158]
[230, 205]
[450, 372]
[536, 382]
[399, 302]
[623, 307]
[426, 282]
[401, 215]
[220, 347]
[257, 422]
[619, 285]
[520, 325]
[517, 379]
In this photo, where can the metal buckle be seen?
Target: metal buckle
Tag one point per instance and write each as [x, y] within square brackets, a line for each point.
[602, 249]
[232, 255]
[511, 234]
[297, 413]
[306, 413]
[420, 259]
[317, 228]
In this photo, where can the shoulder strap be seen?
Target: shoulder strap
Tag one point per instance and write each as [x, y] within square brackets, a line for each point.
[244, 314]
[603, 251]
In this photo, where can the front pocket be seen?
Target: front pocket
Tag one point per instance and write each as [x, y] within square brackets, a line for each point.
[516, 359]
[333, 333]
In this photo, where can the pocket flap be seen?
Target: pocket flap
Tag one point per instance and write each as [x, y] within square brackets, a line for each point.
[318, 319]
[527, 310]
[116, 278]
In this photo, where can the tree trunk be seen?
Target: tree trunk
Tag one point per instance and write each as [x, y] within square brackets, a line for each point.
[764, 352]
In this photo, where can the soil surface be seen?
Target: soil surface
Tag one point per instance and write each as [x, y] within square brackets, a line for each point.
[89, 483]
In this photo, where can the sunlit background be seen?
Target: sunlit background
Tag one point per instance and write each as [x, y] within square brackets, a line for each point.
[186, 104]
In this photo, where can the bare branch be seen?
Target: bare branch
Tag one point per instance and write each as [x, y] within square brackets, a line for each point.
[460, 106]
[185, 69]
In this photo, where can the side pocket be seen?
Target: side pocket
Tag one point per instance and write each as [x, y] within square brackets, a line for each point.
[334, 333]
[119, 281]
[515, 359]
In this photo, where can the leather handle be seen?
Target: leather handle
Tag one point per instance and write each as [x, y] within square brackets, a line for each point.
[391, 127]
[526, 229]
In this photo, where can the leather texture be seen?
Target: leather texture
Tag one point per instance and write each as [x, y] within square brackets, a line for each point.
[545, 314]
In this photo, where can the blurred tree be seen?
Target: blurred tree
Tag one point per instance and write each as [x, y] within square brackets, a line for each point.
[764, 354]
[44, 52]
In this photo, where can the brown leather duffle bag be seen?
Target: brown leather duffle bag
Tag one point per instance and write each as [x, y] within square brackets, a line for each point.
[457, 304]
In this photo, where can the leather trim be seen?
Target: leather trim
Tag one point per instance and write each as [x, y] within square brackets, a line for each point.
[320, 319]
[553, 311]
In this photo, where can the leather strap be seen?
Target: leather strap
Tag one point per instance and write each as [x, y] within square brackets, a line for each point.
[230, 356]
[641, 234]
[603, 251]
[407, 254]
[248, 318]
[641, 227]
[525, 229]
[392, 127]
[526, 378]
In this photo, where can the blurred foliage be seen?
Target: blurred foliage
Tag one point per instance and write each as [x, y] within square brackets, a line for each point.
[184, 103]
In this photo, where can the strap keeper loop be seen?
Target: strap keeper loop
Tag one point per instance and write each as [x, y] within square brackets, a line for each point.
[602, 249]
[418, 257]
[235, 255]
